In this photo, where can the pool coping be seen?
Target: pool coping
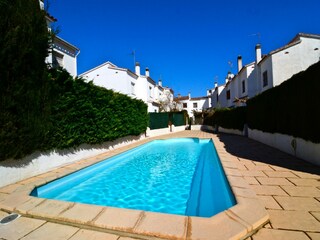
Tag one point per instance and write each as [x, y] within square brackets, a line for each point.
[237, 222]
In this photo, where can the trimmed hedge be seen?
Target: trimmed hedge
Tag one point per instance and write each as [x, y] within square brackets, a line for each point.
[291, 108]
[85, 113]
[161, 120]
[234, 118]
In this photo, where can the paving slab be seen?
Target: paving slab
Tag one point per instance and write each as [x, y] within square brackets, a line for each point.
[252, 173]
[316, 215]
[81, 213]
[52, 231]
[265, 234]
[118, 219]
[19, 228]
[278, 174]
[314, 236]
[174, 226]
[84, 234]
[269, 190]
[269, 202]
[306, 175]
[50, 208]
[293, 220]
[222, 228]
[274, 181]
[298, 203]
[251, 180]
[305, 182]
[298, 191]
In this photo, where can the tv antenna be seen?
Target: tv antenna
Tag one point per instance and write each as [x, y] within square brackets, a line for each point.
[258, 35]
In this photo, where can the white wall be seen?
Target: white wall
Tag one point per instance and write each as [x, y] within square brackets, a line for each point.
[115, 79]
[295, 59]
[305, 150]
[38, 163]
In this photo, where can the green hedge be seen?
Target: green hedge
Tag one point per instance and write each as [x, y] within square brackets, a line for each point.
[234, 118]
[291, 108]
[161, 120]
[85, 113]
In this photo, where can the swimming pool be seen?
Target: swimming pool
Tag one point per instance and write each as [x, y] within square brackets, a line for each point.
[178, 176]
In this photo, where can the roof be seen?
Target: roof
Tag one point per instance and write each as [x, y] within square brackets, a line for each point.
[296, 40]
[182, 98]
[74, 48]
[112, 66]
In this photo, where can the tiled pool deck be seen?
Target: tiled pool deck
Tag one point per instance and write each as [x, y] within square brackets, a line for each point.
[268, 185]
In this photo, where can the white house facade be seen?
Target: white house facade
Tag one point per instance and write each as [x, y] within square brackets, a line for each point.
[191, 105]
[135, 85]
[267, 71]
[63, 54]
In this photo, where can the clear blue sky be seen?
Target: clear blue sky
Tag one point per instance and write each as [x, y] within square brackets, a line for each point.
[187, 43]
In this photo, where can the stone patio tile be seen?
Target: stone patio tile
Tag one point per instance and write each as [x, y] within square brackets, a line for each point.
[274, 234]
[251, 180]
[52, 231]
[10, 188]
[298, 191]
[281, 169]
[81, 213]
[314, 236]
[14, 200]
[274, 181]
[260, 168]
[19, 228]
[32, 180]
[243, 192]
[305, 182]
[50, 208]
[298, 203]
[118, 219]
[268, 190]
[250, 211]
[83, 234]
[293, 220]
[30, 204]
[252, 173]
[306, 175]
[3, 197]
[316, 215]
[219, 227]
[162, 225]
[127, 238]
[277, 174]
[232, 172]
[269, 202]
[238, 182]
[228, 164]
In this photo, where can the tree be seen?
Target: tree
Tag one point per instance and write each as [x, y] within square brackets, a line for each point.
[23, 77]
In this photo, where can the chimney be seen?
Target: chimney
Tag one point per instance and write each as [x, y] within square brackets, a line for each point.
[160, 83]
[137, 69]
[239, 63]
[147, 72]
[215, 84]
[258, 53]
[228, 78]
[179, 95]
[189, 95]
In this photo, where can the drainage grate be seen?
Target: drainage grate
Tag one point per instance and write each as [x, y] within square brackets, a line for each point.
[9, 218]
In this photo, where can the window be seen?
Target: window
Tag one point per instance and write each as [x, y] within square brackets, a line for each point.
[150, 92]
[265, 78]
[195, 105]
[57, 59]
[132, 88]
[243, 86]
[228, 94]
[184, 105]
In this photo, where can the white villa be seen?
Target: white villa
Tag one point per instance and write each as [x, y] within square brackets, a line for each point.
[197, 104]
[135, 85]
[267, 71]
[63, 53]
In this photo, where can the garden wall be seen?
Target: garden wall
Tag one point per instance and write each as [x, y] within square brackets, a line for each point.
[305, 150]
[37, 163]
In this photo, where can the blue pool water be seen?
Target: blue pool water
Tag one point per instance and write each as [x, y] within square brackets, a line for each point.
[179, 176]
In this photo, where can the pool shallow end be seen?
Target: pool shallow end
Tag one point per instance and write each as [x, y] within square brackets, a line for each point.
[237, 222]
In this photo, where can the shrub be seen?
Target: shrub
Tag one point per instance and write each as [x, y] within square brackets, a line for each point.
[291, 108]
[85, 113]
[234, 118]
